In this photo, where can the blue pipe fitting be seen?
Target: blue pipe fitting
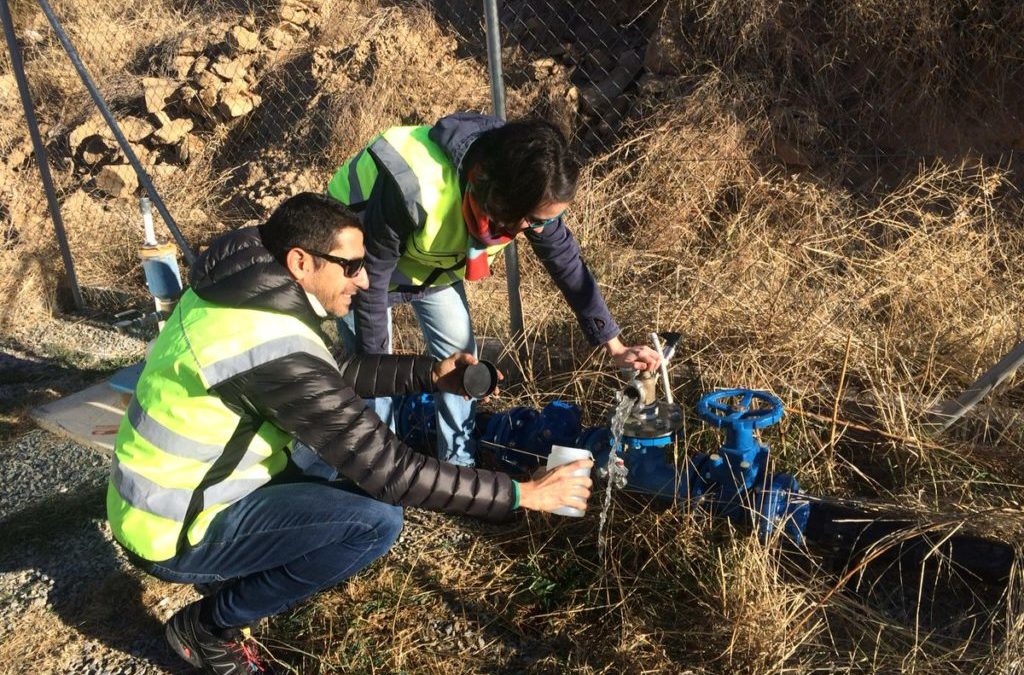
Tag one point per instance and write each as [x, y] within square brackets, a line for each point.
[416, 420]
[522, 437]
[780, 504]
[731, 481]
[160, 265]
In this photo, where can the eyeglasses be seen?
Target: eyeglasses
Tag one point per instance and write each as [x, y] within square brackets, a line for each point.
[537, 224]
[352, 268]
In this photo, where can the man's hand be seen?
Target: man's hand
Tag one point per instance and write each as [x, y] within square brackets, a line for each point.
[639, 357]
[557, 488]
[448, 374]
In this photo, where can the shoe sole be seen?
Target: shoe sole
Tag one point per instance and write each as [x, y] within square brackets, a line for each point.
[180, 649]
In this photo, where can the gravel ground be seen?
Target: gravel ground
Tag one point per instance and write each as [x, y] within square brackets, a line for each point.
[65, 575]
[71, 576]
[40, 465]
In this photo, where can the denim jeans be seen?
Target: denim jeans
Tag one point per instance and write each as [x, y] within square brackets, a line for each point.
[444, 319]
[283, 543]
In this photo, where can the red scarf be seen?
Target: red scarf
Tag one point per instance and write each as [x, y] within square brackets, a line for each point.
[481, 235]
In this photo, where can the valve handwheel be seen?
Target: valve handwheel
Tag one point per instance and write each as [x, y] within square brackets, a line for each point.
[740, 408]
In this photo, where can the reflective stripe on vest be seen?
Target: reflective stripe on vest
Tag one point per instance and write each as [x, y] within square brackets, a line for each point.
[269, 351]
[175, 430]
[172, 503]
[435, 253]
[178, 445]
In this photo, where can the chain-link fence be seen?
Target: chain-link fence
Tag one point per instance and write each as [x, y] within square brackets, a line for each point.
[232, 106]
[693, 114]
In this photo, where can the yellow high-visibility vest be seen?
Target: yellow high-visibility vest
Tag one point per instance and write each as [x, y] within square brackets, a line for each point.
[182, 455]
[435, 253]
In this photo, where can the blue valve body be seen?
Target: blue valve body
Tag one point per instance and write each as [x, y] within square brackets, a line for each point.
[732, 481]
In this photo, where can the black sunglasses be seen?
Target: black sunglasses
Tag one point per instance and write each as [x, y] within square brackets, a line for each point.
[352, 268]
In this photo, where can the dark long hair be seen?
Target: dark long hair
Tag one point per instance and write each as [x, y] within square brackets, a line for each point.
[520, 166]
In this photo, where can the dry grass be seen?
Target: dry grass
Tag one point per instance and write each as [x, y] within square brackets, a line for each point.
[860, 286]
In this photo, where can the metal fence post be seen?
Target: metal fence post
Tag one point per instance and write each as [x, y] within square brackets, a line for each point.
[18, 66]
[126, 147]
[945, 414]
[515, 301]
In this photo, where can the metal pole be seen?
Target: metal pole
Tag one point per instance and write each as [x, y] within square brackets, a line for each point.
[515, 301]
[126, 147]
[18, 66]
[944, 415]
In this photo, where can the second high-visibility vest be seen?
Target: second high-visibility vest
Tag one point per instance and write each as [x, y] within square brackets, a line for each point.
[435, 253]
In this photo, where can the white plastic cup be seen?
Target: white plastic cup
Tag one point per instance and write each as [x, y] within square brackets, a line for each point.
[562, 455]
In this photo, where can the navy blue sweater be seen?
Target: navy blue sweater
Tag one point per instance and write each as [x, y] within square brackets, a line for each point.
[388, 227]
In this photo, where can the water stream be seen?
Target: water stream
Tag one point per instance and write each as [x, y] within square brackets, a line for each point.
[616, 468]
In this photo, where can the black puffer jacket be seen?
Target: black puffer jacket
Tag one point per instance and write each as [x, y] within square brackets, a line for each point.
[321, 406]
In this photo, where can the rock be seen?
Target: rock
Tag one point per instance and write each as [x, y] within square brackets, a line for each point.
[201, 65]
[143, 153]
[162, 118]
[598, 97]
[182, 64]
[165, 171]
[278, 38]
[234, 105]
[94, 126]
[207, 80]
[208, 96]
[233, 68]
[242, 39]
[183, 151]
[294, 13]
[174, 131]
[236, 100]
[95, 150]
[135, 129]
[156, 91]
[117, 180]
[192, 44]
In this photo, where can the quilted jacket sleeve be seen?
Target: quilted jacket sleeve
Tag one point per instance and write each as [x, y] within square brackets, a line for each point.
[314, 402]
[373, 375]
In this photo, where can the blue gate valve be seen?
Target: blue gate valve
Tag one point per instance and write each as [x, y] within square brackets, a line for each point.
[738, 469]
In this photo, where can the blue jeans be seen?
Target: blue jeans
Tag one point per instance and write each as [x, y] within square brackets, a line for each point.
[283, 543]
[444, 318]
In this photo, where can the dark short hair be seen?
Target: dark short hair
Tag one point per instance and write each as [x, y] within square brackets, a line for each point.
[309, 221]
[520, 166]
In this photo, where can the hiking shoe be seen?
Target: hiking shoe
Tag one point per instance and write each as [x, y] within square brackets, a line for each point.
[230, 653]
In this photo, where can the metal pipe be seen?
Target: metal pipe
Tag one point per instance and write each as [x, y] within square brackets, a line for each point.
[494, 69]
[126, 147]
[944, 415]
[18, 66]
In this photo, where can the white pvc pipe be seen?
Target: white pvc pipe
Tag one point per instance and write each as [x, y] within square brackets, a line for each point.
[664, 368]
